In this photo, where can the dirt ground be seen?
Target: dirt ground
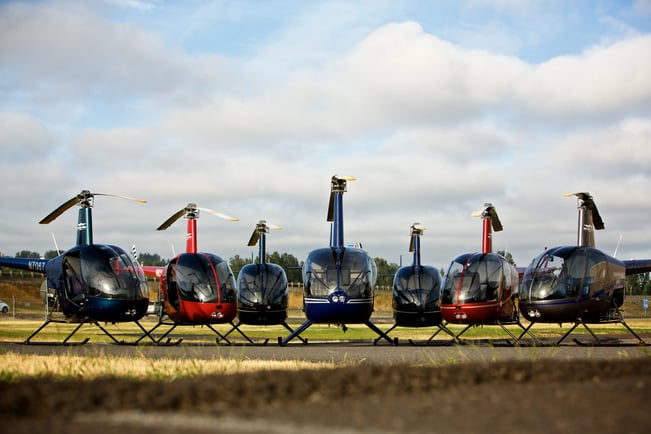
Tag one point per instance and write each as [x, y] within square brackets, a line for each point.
[544, 396]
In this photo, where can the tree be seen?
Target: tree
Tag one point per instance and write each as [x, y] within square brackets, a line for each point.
[151, 259]
[28, 254]
[638, 284]
[236, 263]
[385, 272]
[51, 254]
[508, 256]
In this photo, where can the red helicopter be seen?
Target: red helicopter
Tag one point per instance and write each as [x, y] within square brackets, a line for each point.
[89, 283]
[481, 288]
[197, 288]
[578, 284]
[416, 292]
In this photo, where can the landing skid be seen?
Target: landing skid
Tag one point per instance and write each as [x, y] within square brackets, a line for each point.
[173, 325]
[502, 325]
[441, 328]
[236, 327]
[596, 339]
[66, 341]
[296, 333]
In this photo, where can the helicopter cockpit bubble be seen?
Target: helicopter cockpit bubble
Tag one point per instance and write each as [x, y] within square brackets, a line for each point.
[262, 284]
[474, 278]
[355, 277]
[202, 277]
[411, 288]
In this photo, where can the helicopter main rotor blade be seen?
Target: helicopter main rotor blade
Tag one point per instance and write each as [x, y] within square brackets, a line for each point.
[83, 200]
[60, 210]
[121, 197]
[220, 214]
[167, 223]
[255, 236]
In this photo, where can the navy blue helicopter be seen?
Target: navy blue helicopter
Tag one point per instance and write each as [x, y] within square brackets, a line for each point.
[578, 284]
[416, 291]
[262, 288]
[90, 283]
[339, 280]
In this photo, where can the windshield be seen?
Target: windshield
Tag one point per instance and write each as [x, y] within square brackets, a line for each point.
[262, 283]
[203, 277]
[104, 270]
[355, 278]
[473, 278]
[556, 273]
[411, 287]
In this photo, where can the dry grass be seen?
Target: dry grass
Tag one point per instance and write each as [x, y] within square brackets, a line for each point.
[14, 366]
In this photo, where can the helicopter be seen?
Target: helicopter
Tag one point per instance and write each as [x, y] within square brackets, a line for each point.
[416, 292]
[481, 288]
[89, 283]
[197, 288]
[578, 284]
[262, 288]
[339, 280]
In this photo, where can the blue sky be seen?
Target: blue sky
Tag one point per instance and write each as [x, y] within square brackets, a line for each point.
[249, 107]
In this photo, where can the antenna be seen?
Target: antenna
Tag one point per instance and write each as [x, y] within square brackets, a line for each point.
[617, 247]
[56, 246]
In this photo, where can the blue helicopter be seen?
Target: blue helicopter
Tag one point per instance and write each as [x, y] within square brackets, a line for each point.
[339, 280]
[578, 284]
[262, 288]
[416, 291]
[89, 283]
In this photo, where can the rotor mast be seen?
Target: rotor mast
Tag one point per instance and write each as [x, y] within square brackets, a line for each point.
[589, 220]
[192, 214]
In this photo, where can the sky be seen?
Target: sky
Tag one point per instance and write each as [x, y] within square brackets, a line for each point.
[249, 108]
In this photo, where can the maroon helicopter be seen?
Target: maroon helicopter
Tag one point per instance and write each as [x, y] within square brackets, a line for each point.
[481, 288]
[578, 284]
[197, 288]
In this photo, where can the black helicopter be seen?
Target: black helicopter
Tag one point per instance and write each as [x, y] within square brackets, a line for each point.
[89, 283]
[578, 284]
[339, 280]
[262, 288]
[482, 288]
[416, 292]
[197, 288]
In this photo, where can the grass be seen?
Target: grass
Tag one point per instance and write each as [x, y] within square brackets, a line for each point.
[15, 366]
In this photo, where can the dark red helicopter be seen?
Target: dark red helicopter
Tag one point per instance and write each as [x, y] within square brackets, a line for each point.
[416, 292]
[578, 284]
[197, 288]
[339, 280]
[481, 288]
[89, 283]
